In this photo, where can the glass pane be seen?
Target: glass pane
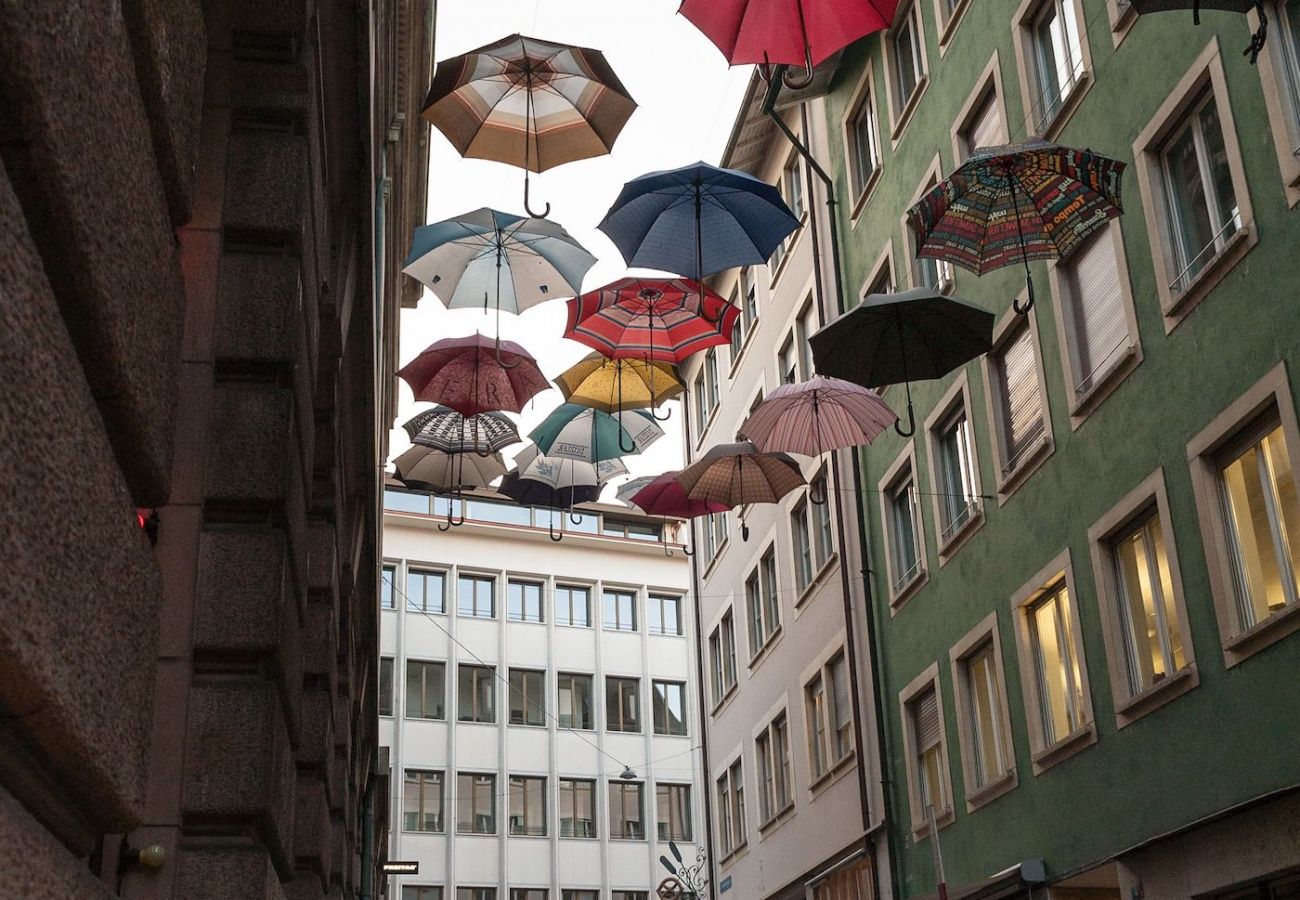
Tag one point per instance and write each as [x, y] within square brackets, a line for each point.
[984, 716]
[404, 501]
[1189, 211]
[905, 60]
[1056, 666]
[1227, 216]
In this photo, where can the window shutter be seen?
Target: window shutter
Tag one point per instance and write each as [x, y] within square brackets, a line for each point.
[1022, 406]
[840, 687]
[1100, 326]
[925, 720]
[986, 127]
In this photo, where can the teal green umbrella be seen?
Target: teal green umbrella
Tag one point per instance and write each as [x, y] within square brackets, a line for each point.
[577, 432]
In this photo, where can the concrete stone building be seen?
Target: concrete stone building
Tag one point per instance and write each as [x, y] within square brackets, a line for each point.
[537, 700]
[195, 323]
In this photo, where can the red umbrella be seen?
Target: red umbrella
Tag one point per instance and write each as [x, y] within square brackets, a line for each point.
[665, 319]
[469, 375]
[794, 32]
[663, 496]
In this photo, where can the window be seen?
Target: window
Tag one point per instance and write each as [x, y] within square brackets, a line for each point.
[422, 801]
[818, 745]
[715, 531]
[477, 696]
[527, 697]
[1098, 329]
[792, 191]
[722, 656]
[426, 591]
[1153, 636]
[773, 751]
[669, 698]
[386, 582]
[1055, 657]
[908, 59]
[426, 690]
[530, 893]
[763, 601]
[983, 127]
[625, 808]
[731, 798]
[622, 704]
[577, 807]
[805, 327]
[476, 803]
[630, 895]
[788, 362]
[525, 601]
[750, 310]
[926, 271]
[386, 686]
[802, 541]
[527, 806]
[853, 880]
[1017, 397]
[414, 892]
[664, 614]
[1279, 69]
[823, 527]
[572, 606]
[982, 718]
[476, 596]
[830, 715]
[706, 392]
[1056, 60]
[578, 894]
[902, 517]
[633, 530]
[620, 611]
[476, 893]
[929, 760]
[575, 702]
[952, 461]
[737, 336]
[673, 812]
[863, 135]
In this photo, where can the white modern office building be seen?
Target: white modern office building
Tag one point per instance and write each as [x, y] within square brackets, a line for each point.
[537, 700]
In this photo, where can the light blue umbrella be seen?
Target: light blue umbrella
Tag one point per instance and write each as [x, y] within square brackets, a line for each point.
[577, 432]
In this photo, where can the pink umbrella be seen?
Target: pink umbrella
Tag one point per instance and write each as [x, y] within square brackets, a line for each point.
[664, 496]
[471, 376]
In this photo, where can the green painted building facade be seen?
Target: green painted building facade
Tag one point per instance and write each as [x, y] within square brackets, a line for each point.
[1098, 604]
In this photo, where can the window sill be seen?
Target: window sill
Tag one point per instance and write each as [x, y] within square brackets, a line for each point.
[1177, 306]
[575, 837]
[744, 345]
[1084, 404]
[832, 775]
[1052, 129]
[992, 791]
[773, 638]
[905, 117]
[439, 833]
[1029, 463]
[708, 567]
[523, 725]
[792, 242]
[1064, 748]
[734, 856]
[817, 580]
[727, 697]
[776, 820]
[1123, 22]
[1247, 643]
[921, 830]
[954, 19]
[949, 547]
[898, 598]
[1156, 696]
[864, 195]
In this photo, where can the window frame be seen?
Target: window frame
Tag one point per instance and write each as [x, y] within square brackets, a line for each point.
[620, 684]
[654, 703]
[974, 642]
[524, 584]
[927, 680]
[571, 784]
[570, 588]
[862, 100]
[732, 820]
[388, 586]
[618, 594]
[512, 691]
[902, 110]
[424, 572]
[944, 273]
[425, 666]
[1281, 89]
[441, 780]
[1025, 22]
[774, 768]
[477, 578]
[510, 799]
[938, 423]
[386, 684]
[987, 84]
[663, 835]
[946, 25]
[1011, 475]
[477, 672]
[722, 658]
[820, 716]
[574, 678]
[661, 600]
[763, 618]
[474, 796]
[622, 787]
[903, 469]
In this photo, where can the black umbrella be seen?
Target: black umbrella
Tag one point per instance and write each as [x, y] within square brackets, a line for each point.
[914, 335]
[1238, 6]
[529, 492]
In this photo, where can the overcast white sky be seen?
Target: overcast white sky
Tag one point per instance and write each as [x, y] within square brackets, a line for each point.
[687, 100]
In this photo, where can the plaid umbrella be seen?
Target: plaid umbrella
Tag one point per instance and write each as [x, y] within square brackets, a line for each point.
[1015, 203]
[528, 103]
[471, 377]
[445, 429]
[817, 416]
[578, 432]
[613, 385]
[1238, 6]
[737, 474]
[658, 319]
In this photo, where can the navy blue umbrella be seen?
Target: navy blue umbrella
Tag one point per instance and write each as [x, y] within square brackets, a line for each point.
[698, 220]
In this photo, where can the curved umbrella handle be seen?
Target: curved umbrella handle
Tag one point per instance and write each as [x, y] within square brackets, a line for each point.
[911, 416]
[452, 522]
[528, 207]
[798, 84]
[659, 418]
[1261, 34]
[501, 362]
[576, 520]
[624, 447]
[687, 550]
[818, 498]
[1029, 295]
[550, 525]
[668, 551]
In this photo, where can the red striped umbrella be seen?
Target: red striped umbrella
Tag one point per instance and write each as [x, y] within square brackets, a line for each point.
[817, 416]
[471, 376]
[665, 319]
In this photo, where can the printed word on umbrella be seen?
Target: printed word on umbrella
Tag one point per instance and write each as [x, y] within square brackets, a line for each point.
[578, 432]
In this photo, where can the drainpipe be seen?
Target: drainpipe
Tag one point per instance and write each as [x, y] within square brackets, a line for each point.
[873, 642]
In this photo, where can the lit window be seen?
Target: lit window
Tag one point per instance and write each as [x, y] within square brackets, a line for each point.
[625, 811]
[527, 806]
[527, 697]
[476, 596]
[622, 704]
[669, 699]
[476, 803]
[575, 702]
[577, 808]
[929, 762]
[673, 809]
[422, 801]
[525, 601]
[426, 691]
[477, 694]
[1055, 654]
[987, 740]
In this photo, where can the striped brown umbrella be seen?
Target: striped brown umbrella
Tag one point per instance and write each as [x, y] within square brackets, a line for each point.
[817, 416]
[738, 474]
[529, 103]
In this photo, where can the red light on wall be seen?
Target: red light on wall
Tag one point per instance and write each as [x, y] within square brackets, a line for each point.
[147, 519]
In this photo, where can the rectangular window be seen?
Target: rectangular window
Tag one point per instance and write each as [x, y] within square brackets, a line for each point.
[577, 808]
[625, 811]
[802, 541]
[904, 534]
[1054, 650]
[1148, 617]
[673, 812]
[579, 894]
[620, 611]
[737, 337]
[954, 447]
[422, 801]
[478, 694]
[476, 596]
[421, 892]
[525, 601]
[773, 746]
[1018, 398]
[426, 690]
[630, 895]
[841, 707]
[386, 686]
[387, 579]
[528, 893]
[722, 656]
[989, 755]
[725, 844]
[572, 606]
[664, 614]
[864, 141]
[931, 765]
[739, 824]
[476, 893]
[426, 591]
[788, 359]
[669, 699]
[575, 702]
[715, 534]
[476, 803]
[527, 806]
[823, 527]
[1057, 59]
[818, 740]
[622, 704]
[984, 126]
[909, 68]
[1095, 310]
[763, 602]
[527, 697]
[853, 880]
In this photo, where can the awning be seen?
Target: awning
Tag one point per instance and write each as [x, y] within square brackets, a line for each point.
[1003, 884]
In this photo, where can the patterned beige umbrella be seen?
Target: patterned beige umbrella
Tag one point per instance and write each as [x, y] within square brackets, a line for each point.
[737, 474]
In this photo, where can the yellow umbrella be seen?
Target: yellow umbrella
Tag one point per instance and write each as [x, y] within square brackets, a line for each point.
[610, 385]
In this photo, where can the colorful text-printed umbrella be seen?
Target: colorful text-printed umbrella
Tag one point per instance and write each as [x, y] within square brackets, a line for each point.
[612, 385]
[817, 416]
[442, 428]
[528, 103]
[658, 319]
[738, 474]
[1143, 7]
[1015, 203]
[471, 377]
[578, 432]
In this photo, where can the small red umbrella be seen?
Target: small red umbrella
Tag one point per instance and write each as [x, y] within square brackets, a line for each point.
[664, 496]
[665, 319]
[471, 376]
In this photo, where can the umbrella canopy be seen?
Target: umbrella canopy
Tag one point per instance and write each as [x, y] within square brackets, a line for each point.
[1256, 44]
[530, 492]
[698, 220]
[529, 103]
[470, 376]
[615, 384]
[817, 416]
[442, 472]
[442, 428]
[910, 336]
[562, 472]
[643, 318]
[663, 495]
[1015, 203]
[737, 474]
[578, 432]
[517, 261]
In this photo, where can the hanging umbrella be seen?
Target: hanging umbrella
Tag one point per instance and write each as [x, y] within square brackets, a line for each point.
[578, 432]
[817, 416]
[662, 495]
[515, 261]
[664, 319]
[529, 103]
[793, 32]
[738, 474]
[914, 335]
[529, 492]
[1256, 44]
[1015, 203]
[613, 385]
[698, 220]
[445, 429]
[471, 376]
[557, 482]
[440, 472]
